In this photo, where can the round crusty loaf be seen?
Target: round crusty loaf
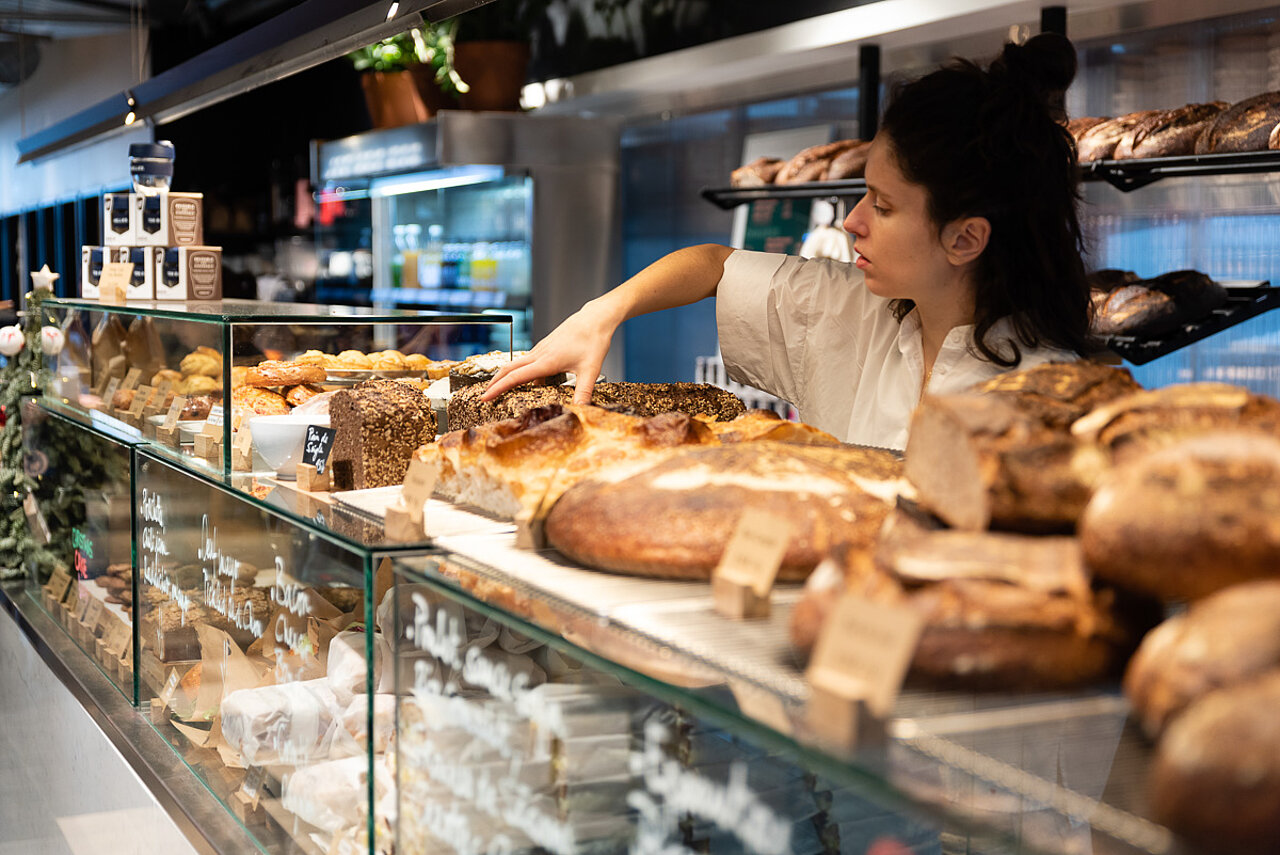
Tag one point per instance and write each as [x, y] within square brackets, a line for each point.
[1216, 775]
[1222, 640]
[1187, 520]
[673, 519]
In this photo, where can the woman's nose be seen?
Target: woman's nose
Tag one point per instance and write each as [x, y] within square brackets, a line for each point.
[855, 223]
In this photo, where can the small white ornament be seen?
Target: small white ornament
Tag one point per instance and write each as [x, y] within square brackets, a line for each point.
[11, 340]
[52, 340]
[44, 278]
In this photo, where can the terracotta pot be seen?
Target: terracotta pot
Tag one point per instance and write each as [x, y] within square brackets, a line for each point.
[495, 71]
[392, 98]
[433, 98]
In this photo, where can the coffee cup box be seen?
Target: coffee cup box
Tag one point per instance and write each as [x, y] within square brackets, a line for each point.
[91, 259]
[168, 219]
[142, 284]
[117, 219]
[187, 272]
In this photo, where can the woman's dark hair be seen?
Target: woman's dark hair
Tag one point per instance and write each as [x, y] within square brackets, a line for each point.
[988, 143]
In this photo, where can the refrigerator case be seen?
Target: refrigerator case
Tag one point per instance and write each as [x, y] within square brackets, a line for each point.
[472, 212]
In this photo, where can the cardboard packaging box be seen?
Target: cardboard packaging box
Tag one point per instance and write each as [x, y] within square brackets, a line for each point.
[168, 219]
[142, 285]
[117, 219]
[91, 258]
[187, 272]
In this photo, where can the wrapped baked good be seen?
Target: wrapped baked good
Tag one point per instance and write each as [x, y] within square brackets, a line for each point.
[333, 796]
[142, 347]
[346, 667]
[1001, 611]
[1189, 519]
[290, 723]
[379, 424]
[1227, 638]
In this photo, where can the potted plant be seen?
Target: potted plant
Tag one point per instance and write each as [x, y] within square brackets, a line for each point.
[482, 56]
[389, 88]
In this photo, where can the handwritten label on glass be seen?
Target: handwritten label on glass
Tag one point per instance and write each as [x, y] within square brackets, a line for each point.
[317, 446]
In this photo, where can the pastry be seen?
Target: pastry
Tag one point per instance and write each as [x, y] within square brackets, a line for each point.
[262, 402]
[465, 408]
[123, 399]
[198, 384]
[1225, 639]
[275, 373]
[1184, 521]
[142, 347]
[298, 395]
[417, 362]
[439, 369]
[1215, 779]
[388, 360]
[757, 173]
[174, 377]
[353, 359]
[481, 368]
[312, 357]
[1244, 126]
[379, 424]
[201, 362]
[673, 518]
[197, 408]
[238, 375]
[1000, 611]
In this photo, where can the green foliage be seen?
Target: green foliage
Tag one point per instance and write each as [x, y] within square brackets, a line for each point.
[394, 54]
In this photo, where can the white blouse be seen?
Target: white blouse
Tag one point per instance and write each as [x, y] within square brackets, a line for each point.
[810, 332]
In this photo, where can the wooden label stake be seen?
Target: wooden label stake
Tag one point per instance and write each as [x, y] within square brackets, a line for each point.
[312, 480]
[131, 378]
[109, 394]
[208, 442]
[242, 450]
[743, 580]
[59, 582]
[113, 284]
[167, 432]
[857, 669]
[406, 520]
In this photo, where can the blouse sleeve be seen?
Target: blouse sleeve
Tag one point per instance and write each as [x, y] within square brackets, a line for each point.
[763, 316]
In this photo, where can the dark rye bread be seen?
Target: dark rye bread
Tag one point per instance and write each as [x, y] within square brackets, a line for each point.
[1244, 126]
[379, 424]
[1169, 132]
[466, 410]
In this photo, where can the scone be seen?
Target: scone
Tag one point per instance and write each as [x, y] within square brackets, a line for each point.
[354, 359]
[201, 362]
[388, 360]
[417, 362]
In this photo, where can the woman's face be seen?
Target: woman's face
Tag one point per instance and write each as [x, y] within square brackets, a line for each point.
[899, 246]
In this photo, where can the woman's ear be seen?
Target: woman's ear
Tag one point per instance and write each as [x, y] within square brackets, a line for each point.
[964, 239]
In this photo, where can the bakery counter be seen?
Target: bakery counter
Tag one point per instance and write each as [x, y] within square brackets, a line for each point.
[1038, 772]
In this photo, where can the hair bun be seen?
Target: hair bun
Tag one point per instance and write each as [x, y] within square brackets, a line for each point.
[1046, 64]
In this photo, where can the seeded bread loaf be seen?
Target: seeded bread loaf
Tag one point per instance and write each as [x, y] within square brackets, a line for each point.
[379, 424]
[466, 410]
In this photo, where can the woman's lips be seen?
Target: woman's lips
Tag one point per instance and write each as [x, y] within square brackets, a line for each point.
[860, 261]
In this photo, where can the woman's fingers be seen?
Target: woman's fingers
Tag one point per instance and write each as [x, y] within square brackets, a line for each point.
[512, 375]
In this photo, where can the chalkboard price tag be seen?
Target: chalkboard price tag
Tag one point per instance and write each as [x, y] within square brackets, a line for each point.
[317, 446]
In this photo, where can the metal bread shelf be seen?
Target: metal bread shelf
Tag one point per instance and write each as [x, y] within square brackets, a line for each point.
[1242, 304]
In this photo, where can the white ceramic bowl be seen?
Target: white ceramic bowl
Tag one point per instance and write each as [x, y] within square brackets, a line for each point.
[279, 439]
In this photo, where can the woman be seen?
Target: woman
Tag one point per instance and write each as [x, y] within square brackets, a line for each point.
[969, 263]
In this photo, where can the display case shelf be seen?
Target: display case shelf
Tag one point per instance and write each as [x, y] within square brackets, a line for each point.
[1242, 304]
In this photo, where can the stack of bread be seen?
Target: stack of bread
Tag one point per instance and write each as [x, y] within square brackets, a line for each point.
[1214, 128]
[827, 162]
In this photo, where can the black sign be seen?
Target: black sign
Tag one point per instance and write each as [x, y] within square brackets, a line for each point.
[316, 447]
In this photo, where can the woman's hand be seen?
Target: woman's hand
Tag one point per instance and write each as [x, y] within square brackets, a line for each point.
[578, 345]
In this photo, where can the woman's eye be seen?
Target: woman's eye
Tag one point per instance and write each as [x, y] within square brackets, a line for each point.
[878, 209]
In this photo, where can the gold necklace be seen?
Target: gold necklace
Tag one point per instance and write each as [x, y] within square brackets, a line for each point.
[925, 384]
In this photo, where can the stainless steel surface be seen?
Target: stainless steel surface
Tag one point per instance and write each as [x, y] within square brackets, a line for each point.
[116, 787]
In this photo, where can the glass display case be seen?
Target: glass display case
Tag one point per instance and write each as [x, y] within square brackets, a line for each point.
[80, 515]
[124, 366]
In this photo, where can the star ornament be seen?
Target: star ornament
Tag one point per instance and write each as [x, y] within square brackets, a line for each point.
[44, 278]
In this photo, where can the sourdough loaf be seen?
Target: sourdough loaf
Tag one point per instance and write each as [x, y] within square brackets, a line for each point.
[465, 409]
[378, 424]
[757, 173]
[1135, 310]
[1184, 521]
[1244, 126]
[1058, 393]
[673, 519]
[1216, 775]
[850, 163]
[811, 164]
[1168, 133]
[1099, 142]
[1001, 611]
[1225, 639]
[1136, 423]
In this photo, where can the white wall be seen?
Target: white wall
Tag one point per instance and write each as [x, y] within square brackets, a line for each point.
[72, 75]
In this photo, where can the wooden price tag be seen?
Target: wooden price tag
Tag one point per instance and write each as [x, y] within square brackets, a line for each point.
[858, 666]
[139, 403]
[131, 378]
[175, 409]
[170, 686]
[93, 612]
[405, 520]
[744, 578]
[109, 394]
[83, 598]
[252, 785]
[35, 519]
[213, 424]
[114, 281]
[59, 582]
[118, 638]
[162, 390]
[209, 441]
[317, 446]
[242, 449]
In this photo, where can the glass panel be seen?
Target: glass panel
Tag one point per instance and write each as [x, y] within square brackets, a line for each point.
[511, 740]
[251, 659]
[230, 311]
[83, 575]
